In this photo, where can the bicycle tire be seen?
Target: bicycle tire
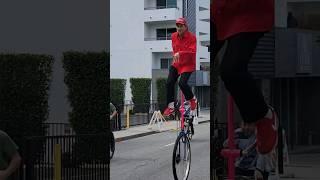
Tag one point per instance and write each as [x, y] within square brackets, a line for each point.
[112, 145]
[176, 158]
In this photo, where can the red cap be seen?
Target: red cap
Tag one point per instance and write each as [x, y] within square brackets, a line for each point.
[181, 21]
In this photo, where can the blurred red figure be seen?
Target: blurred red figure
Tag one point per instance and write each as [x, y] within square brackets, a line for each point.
[241, 23]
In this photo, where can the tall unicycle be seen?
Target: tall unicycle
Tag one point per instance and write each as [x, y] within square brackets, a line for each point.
[181, 159]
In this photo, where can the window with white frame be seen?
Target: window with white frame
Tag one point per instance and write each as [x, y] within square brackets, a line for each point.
[161, 4]
[165, 63]
[165, 33]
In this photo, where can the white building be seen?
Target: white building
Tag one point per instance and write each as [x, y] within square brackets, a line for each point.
[140, 44]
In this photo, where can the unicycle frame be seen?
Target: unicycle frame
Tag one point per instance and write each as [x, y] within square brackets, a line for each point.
[182, 117]
[230, 153]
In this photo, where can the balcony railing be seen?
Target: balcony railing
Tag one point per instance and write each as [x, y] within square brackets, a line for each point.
[161, 7]
[157, 38]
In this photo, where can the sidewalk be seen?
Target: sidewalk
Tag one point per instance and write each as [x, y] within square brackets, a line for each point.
[304, 164]
[302, 167]
[143, 130]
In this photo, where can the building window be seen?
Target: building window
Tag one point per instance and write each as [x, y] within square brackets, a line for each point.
[161, 34]
[165, 34]
[171, 3]
[170, 31]
[165, 63]
[161, 4]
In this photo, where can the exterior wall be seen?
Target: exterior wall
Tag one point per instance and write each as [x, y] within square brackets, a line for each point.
[128, 57]
[203, 31]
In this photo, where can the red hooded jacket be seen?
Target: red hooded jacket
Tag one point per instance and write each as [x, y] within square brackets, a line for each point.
[187, 47]
[234, 16]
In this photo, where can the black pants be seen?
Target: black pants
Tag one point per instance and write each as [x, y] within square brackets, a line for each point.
[191, 125]
[119, 121]
[183, 84]
[238, 81]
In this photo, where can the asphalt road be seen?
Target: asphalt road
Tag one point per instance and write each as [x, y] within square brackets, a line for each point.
[150, 157]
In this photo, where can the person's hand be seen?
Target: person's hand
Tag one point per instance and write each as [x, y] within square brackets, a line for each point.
[110, 117]
[3, 175]
[176, 57]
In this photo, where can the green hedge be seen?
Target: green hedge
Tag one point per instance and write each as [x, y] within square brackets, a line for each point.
[141, 90]
[87, 78]
[117, 90]
[24, 86]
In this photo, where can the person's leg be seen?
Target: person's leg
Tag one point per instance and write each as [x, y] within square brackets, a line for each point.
[116, 123]
[244, 90]
[238, 81]
[119, 122]
[112, 124]
[191, 126]
[186, 89]
[171, 81]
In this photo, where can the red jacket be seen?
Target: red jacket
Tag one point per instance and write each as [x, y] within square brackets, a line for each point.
[234, 16]
[187, 47]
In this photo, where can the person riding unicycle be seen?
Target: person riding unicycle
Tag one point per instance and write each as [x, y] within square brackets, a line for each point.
[184, 45]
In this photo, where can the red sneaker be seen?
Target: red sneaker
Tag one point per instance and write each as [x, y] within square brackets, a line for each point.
[193, 104]
[168, 111]
[267, 134]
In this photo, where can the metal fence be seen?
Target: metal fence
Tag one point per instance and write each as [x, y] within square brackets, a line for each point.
[58, 129]
[61, 150]
[72, 157]
[129, 115]
[134, 114]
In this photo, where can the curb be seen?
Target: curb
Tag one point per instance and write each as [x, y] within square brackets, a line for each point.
[205, 121]
[148, 133]
[135, 136]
